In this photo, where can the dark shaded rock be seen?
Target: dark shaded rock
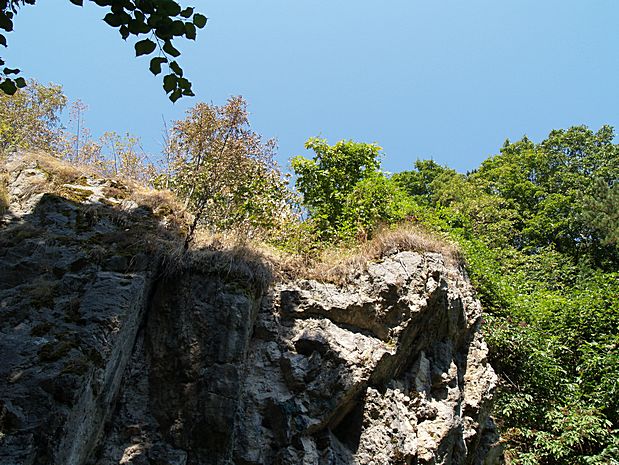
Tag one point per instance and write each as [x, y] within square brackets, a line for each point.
[104, 362]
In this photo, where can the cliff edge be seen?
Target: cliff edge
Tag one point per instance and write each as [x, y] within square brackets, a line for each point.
[109, 355]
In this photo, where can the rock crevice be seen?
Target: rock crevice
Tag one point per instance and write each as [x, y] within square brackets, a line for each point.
[105, 361]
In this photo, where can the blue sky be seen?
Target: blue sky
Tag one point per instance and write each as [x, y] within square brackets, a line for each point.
[442, 79]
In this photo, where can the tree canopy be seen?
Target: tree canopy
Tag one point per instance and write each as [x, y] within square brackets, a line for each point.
[30, 119]
[538, 225]
[223, 170]
[155, 22]
[344, 189]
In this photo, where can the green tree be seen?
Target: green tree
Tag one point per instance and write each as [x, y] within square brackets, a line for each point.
[418, 183]
[30, 119]
[534, 196]
[124, 157]
[375, 199]
[538, 226]
[328, 180]
[155, 22]
[223, 170]
[601, 211]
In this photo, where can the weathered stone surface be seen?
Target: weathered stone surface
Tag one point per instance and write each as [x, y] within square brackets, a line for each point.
[389, 369]
[102, 361]
[67, 325]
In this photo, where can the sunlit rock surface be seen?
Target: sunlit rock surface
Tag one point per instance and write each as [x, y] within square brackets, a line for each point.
[105, 359]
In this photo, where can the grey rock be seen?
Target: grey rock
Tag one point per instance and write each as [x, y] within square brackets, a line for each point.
[402, 375]
[106, 361]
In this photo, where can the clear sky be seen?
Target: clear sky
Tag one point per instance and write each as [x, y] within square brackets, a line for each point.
[442, 79]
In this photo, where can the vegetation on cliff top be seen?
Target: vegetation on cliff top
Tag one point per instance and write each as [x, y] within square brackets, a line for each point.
[537, 224]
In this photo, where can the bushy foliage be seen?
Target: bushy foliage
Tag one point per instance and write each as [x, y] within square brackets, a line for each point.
[344, 190]
[546, 185]
[223, 171]
[536, 225]
[124, 157]
[419, 183]
[600, 210]
[30, 119]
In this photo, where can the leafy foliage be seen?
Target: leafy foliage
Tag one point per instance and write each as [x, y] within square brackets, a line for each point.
[30, 119]
[224, 171]
[375, 200]
[600, 211]
[538, 225]
[419, 182]
[546, 185]
[345, 191]
[125, 158]
[161, 21]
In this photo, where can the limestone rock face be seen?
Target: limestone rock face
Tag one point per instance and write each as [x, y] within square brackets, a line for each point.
[388, 369]
[71, 304]
[106, 360]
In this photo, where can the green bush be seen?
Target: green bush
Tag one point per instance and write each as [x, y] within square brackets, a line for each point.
[536, 225]
[345, 192]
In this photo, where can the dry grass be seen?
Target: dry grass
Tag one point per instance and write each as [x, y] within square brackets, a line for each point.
[229, 255]
[257, 261]
[164, 205]
[55, 173]
[246, 265]
[339, 265]
[409, 236]
[59, 171]
[232, 253]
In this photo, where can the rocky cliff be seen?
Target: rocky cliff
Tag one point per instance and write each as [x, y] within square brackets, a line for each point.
[108, 355]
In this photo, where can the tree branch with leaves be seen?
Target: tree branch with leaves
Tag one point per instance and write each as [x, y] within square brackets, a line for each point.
[157, 23]
[224, 172]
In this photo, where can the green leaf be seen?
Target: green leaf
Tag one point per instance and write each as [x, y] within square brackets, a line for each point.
[2, 40]
[146, 6]
[184, 83]
[174, 96]
[178, 28]
[170, 50]
[5, 22]
[187, 12]
[169, 83]
[190, 31]
[10, 71]
[113, 19]
[155, 64]
[144, 47]
[8, 87]
[20, 82]
[137, 26]
[176, 68]
[77, 2]
[139, 16]
[199, 20]
[169, 7]
[124, 32]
